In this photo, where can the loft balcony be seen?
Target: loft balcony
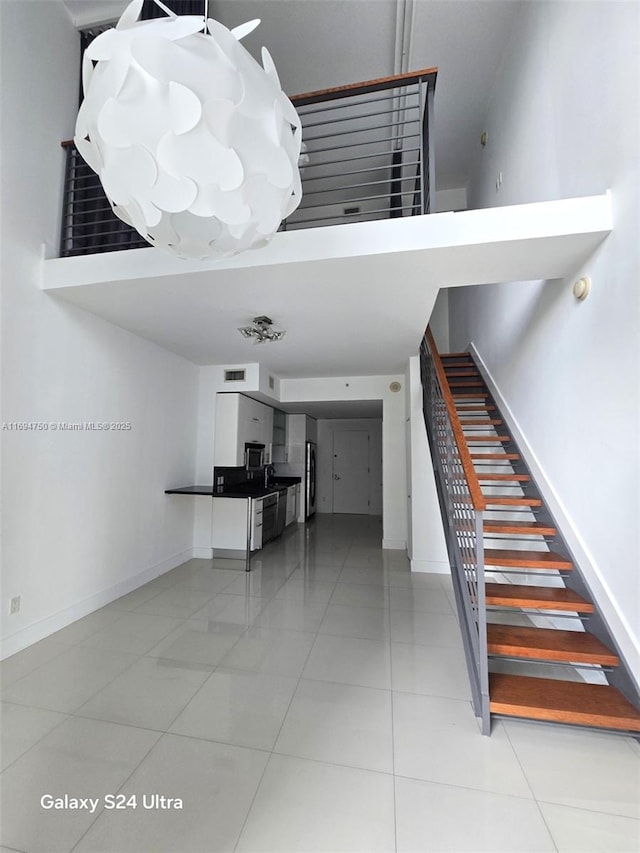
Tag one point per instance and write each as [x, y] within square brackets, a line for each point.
[365, 242]
[368, 155]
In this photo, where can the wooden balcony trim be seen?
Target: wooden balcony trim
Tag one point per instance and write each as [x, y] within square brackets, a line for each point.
[426, 74]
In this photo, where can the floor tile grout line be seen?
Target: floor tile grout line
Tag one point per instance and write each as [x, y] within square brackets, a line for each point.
[120, 787]
[267, 763]
[393, 732]
[529, 784]
[46, 734]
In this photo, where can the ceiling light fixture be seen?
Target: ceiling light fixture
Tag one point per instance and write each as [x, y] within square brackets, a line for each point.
[262, 331]
[196, 144]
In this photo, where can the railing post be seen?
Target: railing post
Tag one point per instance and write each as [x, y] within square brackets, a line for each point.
[429, 150]
[424, 134]
[483, 659]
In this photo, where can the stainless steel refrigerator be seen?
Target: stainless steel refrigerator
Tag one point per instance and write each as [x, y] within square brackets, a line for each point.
[310, 479]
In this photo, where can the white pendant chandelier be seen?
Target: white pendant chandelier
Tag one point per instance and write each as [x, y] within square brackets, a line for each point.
[195, 144]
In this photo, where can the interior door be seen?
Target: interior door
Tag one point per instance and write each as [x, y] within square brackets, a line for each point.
[351, 471]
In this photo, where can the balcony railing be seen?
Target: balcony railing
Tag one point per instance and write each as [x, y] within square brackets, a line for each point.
[370, 156]
[462, 504]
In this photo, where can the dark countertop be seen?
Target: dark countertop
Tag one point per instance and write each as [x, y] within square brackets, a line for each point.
[229, 492]
[240, 491]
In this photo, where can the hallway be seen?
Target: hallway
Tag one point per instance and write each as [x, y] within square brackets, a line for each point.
[319, 703]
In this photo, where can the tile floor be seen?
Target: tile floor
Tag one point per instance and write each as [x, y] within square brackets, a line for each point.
[319, 703]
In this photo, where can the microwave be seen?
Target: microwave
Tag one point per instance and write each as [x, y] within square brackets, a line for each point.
[253, 457]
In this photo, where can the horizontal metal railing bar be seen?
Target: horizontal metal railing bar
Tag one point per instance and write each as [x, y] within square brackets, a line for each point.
[292, 221]
[90, 176]
[358, 102]
[110, 233]
[350, 201]
[360, 144]
[306, 180]
[80, 232]
[355, 130]
[92, 193]
[359, 157]
[358, 186]
[364, 115]
[379, 84]
[104, 247]
[99, 209]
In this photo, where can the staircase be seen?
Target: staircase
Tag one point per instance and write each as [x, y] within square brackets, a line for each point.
[542, 650]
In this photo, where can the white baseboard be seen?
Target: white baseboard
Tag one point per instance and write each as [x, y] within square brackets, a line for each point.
[45, 627]
[593, 576]
[394, 544]
[202, 553]
[435, 567]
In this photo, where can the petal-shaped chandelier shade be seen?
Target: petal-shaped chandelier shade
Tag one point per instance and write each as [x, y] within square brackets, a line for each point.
[195, 144]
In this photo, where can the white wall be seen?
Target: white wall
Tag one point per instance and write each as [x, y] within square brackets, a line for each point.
[428, 549]
[394, 479]
[326, 430]
[564, 122]
[85, 517]
[439, 320]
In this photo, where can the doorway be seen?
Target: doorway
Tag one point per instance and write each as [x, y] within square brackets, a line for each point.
[351, 471]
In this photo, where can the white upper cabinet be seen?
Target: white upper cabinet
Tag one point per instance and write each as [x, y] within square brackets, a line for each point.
[239, 421]
[227, 450]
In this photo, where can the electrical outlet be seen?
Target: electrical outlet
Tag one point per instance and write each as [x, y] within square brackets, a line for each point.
[14, 605]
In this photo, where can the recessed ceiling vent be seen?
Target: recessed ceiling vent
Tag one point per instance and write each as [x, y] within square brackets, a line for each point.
[350, 211]
[234, 375]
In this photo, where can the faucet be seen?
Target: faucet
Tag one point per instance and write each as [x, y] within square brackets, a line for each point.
[269, 471]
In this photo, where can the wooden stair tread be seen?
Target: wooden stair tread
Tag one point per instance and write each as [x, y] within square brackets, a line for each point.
[455, 355]
[562, 702]
[463, 383]
[535, 528]
[469, 396]
[536, 597]
[506, 457]
[479, 408]
[473, 439]
[480, 422]
[508, 500]
[520, 478]
[525, 559]
[548, 644]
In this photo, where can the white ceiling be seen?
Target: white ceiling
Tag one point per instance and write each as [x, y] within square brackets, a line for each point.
[336, 409]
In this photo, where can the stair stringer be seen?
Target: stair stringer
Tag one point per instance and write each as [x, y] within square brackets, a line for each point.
[554, 513]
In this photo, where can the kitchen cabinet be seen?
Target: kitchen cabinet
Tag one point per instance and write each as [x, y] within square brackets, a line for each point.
[240, 420]
[229, 525]
[293, 498]
[279, 436]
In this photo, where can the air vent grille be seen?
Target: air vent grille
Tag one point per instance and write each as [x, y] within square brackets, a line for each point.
[234, 375]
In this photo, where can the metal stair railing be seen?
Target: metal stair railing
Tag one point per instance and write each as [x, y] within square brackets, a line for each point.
[370, 152]
[462, 505]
